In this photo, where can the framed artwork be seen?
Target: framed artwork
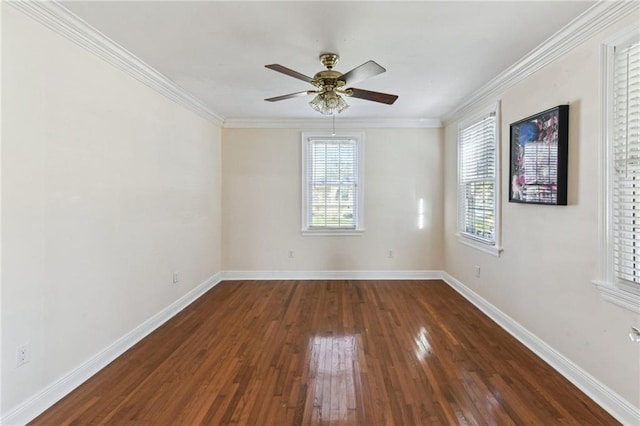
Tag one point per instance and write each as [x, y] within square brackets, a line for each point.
[539, 158]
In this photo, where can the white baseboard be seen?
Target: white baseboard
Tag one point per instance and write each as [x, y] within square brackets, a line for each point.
[618, 407]
[44, 399]
[332, 275]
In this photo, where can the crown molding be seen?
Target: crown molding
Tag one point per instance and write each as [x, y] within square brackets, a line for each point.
[326, 123]
[58, 18]
[593, 20]
[64, 22]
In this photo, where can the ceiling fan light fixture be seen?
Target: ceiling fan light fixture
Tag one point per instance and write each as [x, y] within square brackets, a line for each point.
[331, 85]
[329, 103]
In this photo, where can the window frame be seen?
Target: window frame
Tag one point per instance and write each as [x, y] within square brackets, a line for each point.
[307, 138]
[611, 290]
[494, 248]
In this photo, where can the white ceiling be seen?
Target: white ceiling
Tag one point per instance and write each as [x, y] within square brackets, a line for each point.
[436, 53]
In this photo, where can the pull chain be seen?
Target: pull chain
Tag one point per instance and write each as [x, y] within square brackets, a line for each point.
[333, 118]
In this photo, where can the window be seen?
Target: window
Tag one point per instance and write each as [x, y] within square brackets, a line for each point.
[620, 215]
[332, 190]
[478, 182]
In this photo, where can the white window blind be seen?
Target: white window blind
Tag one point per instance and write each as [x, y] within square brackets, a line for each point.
[477, 169]
[332, 184]
[626, 164]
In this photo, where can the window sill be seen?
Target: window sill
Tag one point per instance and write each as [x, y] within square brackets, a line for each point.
[332, 232]
[484, 247]
[619, 297]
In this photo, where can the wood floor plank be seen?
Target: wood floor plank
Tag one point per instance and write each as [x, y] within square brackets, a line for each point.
[328, 352]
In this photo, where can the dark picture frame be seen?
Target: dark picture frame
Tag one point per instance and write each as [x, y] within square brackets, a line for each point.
[539, 147]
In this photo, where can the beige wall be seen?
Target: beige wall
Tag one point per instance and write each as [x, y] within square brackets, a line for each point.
[261, 196]
[543, 279]
[107, 188]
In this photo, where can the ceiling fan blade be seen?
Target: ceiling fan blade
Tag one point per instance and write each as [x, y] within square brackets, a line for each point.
[289, 72]
[362, 72]
[289, 96]
[368, 95]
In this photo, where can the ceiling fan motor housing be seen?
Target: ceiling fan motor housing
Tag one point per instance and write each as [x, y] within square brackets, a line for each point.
[328, 80]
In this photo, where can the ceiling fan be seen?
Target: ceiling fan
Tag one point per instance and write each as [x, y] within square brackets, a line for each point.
[331, 85]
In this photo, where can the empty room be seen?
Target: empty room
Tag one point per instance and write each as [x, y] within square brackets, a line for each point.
[319, 212]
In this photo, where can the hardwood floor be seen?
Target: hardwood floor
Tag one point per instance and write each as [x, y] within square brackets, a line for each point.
[328, 352]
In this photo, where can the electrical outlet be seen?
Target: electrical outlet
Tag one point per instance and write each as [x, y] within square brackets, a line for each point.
[23, 354]
[291, 254]
[476, 270]
[176, 278]
[390, 254]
